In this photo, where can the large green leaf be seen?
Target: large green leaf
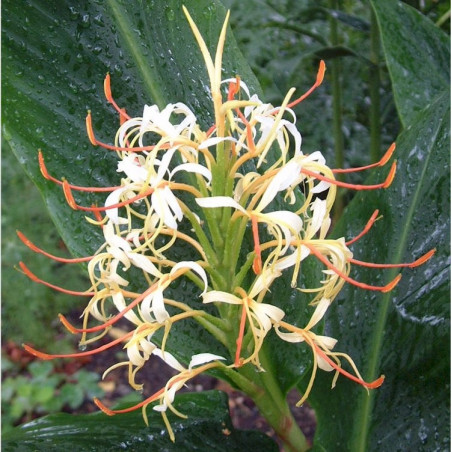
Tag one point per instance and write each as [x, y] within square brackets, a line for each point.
[404, 333]
[208, 420]
[417, 54]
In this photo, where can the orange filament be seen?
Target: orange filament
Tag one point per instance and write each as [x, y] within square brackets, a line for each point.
[70, 200]
[372, 385]
[97, 215]
[239, 340]
[95, 142]
[345, 277]
[234, 88]
[381, 162]
[257, 262]
[45, 173]
[112, 320]
[416, 263]
[68, 195]
[211, 130]
[384, 184]
[318, 82]
[34, 248]
[145, 402]
[34, 278]
[107, 90]
[366, 229]
[47, 357]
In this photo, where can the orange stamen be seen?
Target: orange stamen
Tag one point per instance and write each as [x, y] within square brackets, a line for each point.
[318, 82]
[366, 229]
[68, 195]
[75, 206]
[47, 357]
[372, 385]
[46, 175]
[211, 130]
[112, 320]
[95, 142]
[257, 263]
[234, 88]
[384, 184]
[107, 90]
[34, 278]
[145, 402]
[416, 263]
[345, 277]
[239, 340]
[34, 248]
[381, 162]
[97, 215]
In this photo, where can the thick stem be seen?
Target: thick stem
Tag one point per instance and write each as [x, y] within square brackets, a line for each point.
[273, 405]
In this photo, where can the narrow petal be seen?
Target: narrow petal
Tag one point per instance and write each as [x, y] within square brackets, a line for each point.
[223, 297]
[203, 358]
[220, 201]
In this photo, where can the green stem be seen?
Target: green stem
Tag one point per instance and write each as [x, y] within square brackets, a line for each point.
[374, 88]
[273, 405]
[335, 71]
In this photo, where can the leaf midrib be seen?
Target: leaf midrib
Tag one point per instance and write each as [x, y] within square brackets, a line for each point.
[365, 408]
[126, 30]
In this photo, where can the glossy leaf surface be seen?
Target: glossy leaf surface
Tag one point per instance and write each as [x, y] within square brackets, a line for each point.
[403, 334]
[208, 421]
[417, 54]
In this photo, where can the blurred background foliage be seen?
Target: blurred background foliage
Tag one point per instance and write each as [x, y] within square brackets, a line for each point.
[283, 41]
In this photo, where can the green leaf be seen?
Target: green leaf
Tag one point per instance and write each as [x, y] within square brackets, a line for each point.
[417, 54]
[403, 334]
[208, 427]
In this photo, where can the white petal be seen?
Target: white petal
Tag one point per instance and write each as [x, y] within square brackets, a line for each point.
[145, 308]
[193, 266]
[220, 201]
[161, 208]
[169, 359]
[323, 364]
[290, 337]
[113, 198]
[286, 219]
[158, 307]
[213, 141]
[173, 203]
[193, 168]
[133, 170]
[218, 296]
[143, 262]
[203, 358]
[265, 312]
[119, 302]
[319, 312]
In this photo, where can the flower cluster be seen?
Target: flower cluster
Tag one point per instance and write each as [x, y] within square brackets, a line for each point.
[215, 192]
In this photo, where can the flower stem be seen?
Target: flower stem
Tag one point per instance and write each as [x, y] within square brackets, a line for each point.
[273, 405]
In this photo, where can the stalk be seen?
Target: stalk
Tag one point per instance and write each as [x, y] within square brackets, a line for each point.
[273, 405]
